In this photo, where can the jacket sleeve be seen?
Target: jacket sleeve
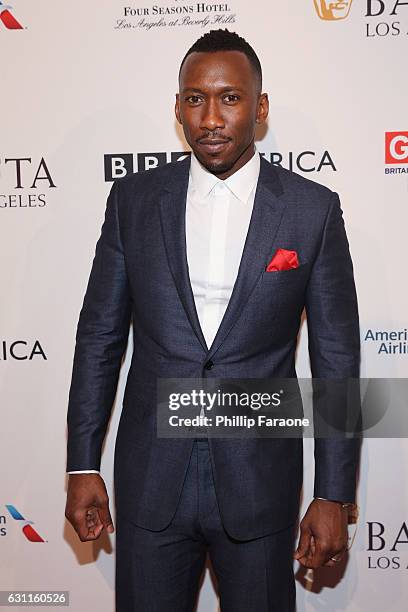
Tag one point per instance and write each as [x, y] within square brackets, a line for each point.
[101, 341]
[334, 350]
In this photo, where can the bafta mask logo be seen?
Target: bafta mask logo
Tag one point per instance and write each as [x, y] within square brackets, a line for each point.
[332, 11]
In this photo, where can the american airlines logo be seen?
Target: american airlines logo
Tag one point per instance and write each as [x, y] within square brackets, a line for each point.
[7, 18]
[27, 528]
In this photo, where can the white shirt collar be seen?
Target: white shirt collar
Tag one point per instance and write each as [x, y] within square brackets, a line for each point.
[241, 183]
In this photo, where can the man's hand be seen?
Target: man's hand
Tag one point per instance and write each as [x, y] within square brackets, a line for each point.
[323, 534]
[87, 507]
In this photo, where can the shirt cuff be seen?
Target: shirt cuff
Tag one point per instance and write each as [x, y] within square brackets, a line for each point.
[84, 472]
[336, 501]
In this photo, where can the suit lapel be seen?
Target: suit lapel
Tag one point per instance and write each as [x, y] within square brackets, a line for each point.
[264, 223]
[173, 223]
[265, 220]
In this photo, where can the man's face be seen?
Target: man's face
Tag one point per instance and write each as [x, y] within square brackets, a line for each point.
[219, 105]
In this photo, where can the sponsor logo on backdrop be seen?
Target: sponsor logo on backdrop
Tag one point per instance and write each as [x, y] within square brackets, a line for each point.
[388, 341]
[303, 161]
[7, 17]
[118, 165]
[21, 350]
[332, 11]
[382, 18]
[396, 152]
[176, 14]
[384, 545]
[25, 182]
[30, 533]
[386, 18]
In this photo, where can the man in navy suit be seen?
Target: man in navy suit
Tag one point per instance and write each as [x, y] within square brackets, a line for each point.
[184, 251]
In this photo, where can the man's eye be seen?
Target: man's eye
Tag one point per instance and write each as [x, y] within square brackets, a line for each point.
[231, 98]
[193, 99]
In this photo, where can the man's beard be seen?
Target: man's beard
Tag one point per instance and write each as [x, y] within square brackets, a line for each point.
[216, 167]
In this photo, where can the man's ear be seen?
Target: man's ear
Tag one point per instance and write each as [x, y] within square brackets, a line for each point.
[263, 108]
[177, 108]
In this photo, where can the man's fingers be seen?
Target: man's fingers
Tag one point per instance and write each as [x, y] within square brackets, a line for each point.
[334, 551]
[80, 524]
[105, 517]
[322, 553]
[94, 523]
[316, 554]
[304, 544]
[335, 558]
[88, 523]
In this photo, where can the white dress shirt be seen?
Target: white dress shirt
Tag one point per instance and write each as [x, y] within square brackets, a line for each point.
[218, 213]
[217, 219]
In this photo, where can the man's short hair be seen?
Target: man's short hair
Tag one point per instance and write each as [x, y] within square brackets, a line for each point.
[224, 40]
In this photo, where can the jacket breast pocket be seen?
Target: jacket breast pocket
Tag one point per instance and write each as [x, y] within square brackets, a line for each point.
[285, 290]
[290, 276]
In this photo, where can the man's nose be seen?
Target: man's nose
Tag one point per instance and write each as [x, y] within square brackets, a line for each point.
[212, 118]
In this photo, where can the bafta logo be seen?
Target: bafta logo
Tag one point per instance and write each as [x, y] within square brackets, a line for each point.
[332, 11]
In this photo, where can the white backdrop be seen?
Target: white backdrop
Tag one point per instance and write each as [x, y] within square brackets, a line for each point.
[83, 82]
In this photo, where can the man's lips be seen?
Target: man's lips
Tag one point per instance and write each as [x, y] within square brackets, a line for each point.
[213, 144]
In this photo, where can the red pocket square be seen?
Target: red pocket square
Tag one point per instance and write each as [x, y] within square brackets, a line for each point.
[283, 260]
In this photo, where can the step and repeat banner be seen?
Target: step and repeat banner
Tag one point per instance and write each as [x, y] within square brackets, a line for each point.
[87, 96]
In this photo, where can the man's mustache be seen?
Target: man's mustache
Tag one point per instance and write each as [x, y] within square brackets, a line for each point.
[213, 137]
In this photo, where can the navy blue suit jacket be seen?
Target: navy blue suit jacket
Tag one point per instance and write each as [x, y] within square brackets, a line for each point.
[140, 272]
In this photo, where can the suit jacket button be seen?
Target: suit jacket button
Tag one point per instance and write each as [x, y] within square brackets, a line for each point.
[209, 365]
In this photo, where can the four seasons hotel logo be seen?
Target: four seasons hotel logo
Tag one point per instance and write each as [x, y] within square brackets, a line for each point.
[332, 11]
